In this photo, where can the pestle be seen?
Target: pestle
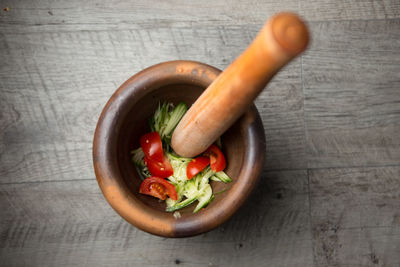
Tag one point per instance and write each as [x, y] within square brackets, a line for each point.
[281, 39]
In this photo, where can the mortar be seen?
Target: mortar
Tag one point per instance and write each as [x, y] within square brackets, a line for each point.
[125, 118]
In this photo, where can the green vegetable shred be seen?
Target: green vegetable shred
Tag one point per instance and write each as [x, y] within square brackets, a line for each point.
[164, 121]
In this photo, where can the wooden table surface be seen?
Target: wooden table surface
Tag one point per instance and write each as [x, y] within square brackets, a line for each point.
[329, 194]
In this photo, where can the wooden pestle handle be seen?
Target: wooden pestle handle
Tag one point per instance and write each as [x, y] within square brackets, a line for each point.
[282, 38]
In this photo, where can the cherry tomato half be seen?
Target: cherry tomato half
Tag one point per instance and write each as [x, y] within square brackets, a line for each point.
[158, 187]
[161, 169]
[217, 159]
[196, 165]
[152, 146]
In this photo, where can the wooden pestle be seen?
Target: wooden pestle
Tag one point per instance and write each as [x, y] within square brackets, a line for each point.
[282, 38]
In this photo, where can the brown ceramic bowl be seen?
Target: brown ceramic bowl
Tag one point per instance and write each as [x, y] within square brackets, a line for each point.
[124, 119]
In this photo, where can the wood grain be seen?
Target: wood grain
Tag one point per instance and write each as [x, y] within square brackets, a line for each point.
[349, 10]
[60, 62]
[355, 215]
[282, 112]
[52, 95]
[352, 102]
[70, 223]
[55, 16]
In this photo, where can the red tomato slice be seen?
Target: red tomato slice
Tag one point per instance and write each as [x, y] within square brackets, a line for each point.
[160, 169]
[196, 165]
[217, 158]
[158, 187]
[152, 146]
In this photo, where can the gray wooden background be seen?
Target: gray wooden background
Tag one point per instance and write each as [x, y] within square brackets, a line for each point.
[330, 191]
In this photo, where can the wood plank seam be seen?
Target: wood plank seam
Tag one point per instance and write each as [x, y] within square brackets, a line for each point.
[178, 27]
[313, 245]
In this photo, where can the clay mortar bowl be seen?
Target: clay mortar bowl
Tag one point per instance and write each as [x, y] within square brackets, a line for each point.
[125, 118]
